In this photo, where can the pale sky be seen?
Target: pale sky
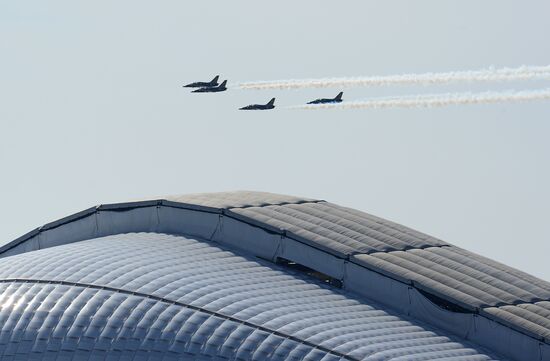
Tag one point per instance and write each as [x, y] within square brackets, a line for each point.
[92, 111]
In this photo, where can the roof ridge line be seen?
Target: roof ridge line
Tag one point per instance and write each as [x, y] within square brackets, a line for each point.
[520, 302]
[278, 204]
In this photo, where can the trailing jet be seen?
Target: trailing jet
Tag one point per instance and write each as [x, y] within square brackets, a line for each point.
[212, 89]
[269, 105]
[337, 99]
[202, 84]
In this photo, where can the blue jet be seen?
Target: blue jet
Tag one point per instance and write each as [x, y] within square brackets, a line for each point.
[337, 99]
[269, 105]
[203, 84]
[215, 89]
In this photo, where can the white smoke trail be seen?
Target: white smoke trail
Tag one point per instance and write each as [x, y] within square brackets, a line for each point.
[437, 100]
[504, 74]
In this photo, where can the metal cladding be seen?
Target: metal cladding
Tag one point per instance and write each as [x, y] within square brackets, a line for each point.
[141, 292]
[201, 280]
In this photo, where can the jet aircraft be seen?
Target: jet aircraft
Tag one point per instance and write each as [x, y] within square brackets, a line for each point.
[215, 89]
[269, 105]
[337, 99]
[202, 84]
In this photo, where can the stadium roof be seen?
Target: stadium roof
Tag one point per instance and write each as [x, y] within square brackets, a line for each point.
[255, 275]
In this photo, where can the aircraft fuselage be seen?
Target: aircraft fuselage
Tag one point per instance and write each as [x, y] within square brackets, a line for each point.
[325, 101]
[216, 89]
[269, 105]
[257, 107]
[209, 90]
[200, 84]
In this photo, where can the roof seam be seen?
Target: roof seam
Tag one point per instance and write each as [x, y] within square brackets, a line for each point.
[499, 304]
[283, 217]
[277, 204]
[395, 235]
[409, 248]
[185, 305]
[388, 224]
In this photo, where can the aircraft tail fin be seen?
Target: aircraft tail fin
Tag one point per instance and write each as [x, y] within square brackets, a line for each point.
[215, 80]
[223, 84]
[271, 102]
[339, 96]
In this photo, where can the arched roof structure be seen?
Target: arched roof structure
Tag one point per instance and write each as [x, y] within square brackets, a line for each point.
[253, 275]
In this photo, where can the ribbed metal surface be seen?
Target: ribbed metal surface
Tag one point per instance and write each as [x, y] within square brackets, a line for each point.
[205, 301]
[338, 228]
[236, 199]
[69, 322]
[533, 317]
[322, 236]
[460, 275]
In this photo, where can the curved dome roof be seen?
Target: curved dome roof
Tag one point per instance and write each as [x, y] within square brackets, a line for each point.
[143, 292]
[252, 275]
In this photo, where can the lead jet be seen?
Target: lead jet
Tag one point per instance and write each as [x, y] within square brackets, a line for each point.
[212, 89]
[204, 84]
[337, 99]
[269, 105]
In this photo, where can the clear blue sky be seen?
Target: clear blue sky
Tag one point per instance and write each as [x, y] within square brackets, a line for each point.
[92, 111]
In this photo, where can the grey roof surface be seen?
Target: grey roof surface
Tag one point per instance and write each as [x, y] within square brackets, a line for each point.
[361, 250]
[237, 199]
[461, 275]
[534, 317]
[339, 230]
[400, 252]
[150, 296]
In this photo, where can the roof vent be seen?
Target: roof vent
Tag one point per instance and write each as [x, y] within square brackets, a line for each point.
[444, 304]
[309, 272]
